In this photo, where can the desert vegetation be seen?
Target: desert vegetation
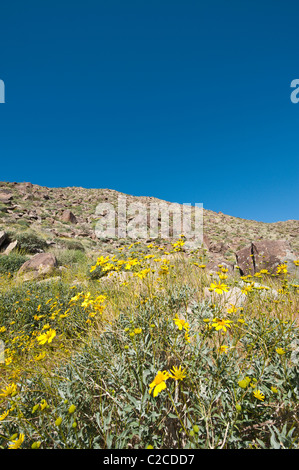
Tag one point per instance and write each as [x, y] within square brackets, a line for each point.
[143, 346]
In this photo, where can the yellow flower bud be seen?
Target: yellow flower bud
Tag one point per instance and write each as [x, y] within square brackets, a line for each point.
[72, 409]
[36, 445]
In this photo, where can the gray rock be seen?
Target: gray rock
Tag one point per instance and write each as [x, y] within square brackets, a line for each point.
[12, 246]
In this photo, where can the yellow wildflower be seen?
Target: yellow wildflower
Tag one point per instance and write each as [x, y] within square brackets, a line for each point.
[219, 288]
[164, 269]
[40, 356]
[223, 349]
[187, 337]
[46, 337]
[281, 269]
[247, 289]
[4, 415]
[222, 276]
[181, 324]
[16, 443]
[221, 324]
[244, 382]
[10, 390]
[76, 297]
[280, 351]
[158, 383]
[43, 404]
[178, 245]
[232, 309]
[142, 274]
[259, 395]
[38, 317]
[177, 373]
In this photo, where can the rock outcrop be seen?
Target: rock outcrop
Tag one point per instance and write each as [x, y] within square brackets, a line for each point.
[265, 254]
[68, 216]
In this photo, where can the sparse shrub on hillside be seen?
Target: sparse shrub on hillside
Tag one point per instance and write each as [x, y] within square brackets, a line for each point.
[71, 244]
[31, 306]
[11, 263]
[31, 243]
[69, 257]
[23, 224]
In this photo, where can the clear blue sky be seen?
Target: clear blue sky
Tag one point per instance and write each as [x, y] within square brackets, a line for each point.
[184, 100]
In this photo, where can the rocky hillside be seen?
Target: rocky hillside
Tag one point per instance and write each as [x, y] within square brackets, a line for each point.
[67, 217]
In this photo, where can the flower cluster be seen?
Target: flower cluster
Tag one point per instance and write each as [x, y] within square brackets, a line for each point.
[159, 382]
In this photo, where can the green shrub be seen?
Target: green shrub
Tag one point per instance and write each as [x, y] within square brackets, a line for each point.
[105, 398]
[23, 224]
[21, 302]
[71, 244]
[30, 243]
[11, 263]
[150, 362]
[69, 257]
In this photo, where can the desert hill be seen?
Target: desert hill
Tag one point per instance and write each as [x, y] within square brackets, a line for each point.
[67, 217]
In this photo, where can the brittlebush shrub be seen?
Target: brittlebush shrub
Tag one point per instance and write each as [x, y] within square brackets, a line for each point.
[30, 243]
[150, 362]
[11, 263]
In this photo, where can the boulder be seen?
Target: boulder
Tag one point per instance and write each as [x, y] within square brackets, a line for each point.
[206, 242]
[214, 246]
[38, 266]
[265, 254]
[27, 197]
[263, 290]
[233, 297]
[268, 254]
[245, 261]
[68, 216]
[213, 265]
[217, 247]
[12, 246]
[5, 197]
